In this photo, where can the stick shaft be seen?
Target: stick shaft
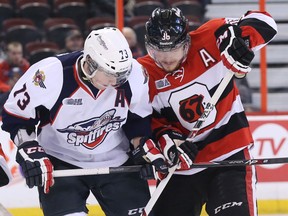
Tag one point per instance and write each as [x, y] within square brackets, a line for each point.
[136, 168]
[156, 194]
[96, 171]
[210, 106]
[227, 163]
[4, 211]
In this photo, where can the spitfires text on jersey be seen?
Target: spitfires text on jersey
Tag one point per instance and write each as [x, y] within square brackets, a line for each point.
[92, 132]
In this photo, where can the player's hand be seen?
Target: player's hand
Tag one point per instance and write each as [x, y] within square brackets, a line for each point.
[35, 164]
[147, 151]
[235, 54]
[188, 151]
[177, 150]
[148, 171]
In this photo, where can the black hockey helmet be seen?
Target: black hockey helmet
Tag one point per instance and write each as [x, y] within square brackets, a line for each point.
[166, 29]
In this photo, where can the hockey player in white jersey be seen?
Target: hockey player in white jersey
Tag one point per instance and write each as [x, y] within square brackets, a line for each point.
[88, 108]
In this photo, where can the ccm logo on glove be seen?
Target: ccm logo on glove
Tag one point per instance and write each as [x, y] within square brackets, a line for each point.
[235, 53]
[34, 150]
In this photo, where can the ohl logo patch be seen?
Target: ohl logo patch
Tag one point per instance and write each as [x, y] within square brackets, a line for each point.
[92, 132]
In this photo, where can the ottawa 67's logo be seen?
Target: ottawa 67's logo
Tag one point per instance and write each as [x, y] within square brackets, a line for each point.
[189, 104]
[92, 132]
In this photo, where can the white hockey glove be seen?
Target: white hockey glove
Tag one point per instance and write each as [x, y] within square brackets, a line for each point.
[235, 54]
[147, 151]
[36, 166]
[185, 153]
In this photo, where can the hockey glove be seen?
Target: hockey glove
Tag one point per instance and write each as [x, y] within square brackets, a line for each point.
[149, 171]
[147, 151]
[235, 54]
[185, 152]
[35, 164]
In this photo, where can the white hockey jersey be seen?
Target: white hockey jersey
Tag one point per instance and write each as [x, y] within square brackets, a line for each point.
[78, 123]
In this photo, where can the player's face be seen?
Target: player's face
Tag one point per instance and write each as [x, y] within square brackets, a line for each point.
[102, 80]
[168, 60]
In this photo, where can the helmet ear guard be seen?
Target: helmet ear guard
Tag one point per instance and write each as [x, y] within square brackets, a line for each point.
[92, 66]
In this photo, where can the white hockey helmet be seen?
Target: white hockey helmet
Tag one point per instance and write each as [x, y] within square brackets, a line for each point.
[107, 50]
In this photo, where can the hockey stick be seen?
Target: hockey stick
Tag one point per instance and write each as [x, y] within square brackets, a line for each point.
[209, 107]
[250, 162]
[4, 211]
[96, 171]
[137, 168]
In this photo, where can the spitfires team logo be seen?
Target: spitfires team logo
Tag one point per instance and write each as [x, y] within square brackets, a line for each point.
[92, 132]
[39, 78]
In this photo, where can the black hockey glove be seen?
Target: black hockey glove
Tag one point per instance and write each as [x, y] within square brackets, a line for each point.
[147, 151]
[175, 148]
[36, 166]
[235, 54]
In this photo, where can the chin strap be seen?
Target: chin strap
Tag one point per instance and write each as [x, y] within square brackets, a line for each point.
[80, 69]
